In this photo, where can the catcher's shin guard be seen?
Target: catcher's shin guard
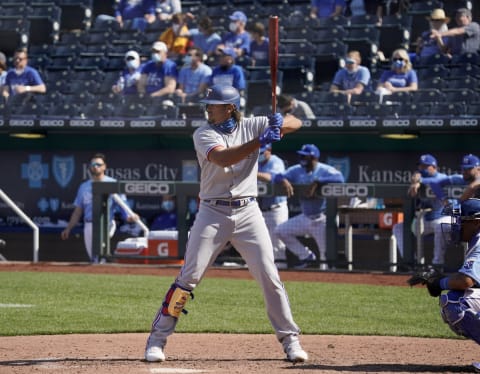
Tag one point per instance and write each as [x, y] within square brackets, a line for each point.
[175, 301]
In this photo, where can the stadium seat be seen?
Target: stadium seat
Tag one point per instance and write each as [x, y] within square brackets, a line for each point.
[393, 37]
[325, 68]
[332, 110]
[427, 96]
[463, 95]
[75, 14]
[258, 93]
[188, 111]
[448, 109]
[414, 109]
[96, 110]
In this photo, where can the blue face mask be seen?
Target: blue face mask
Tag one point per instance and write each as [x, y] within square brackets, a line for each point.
[424, 173]
[304, 162]
[168, 205]
[228, 126]
[398, 64]
[187, 60]
[261, 158]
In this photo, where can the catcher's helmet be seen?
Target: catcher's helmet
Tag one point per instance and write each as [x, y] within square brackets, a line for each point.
[221, 94]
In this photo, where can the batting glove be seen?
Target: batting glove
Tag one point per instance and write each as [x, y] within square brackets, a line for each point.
[270, 135]
[275, 120]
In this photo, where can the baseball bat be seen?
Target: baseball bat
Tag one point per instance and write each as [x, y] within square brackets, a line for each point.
[273, 57]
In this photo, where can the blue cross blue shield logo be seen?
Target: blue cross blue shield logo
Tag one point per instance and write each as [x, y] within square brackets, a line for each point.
[63, 168]
[342, 164]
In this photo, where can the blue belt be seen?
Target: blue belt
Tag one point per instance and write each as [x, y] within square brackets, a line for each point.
[235, 202]
[271, 207]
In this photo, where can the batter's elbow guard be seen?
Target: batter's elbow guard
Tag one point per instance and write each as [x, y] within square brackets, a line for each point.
[175, 301]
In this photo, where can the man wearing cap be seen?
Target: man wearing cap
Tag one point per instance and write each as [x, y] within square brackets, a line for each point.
[431, 210]
[274, 208]
[427, 46]
[353, 78]
[312, 220]
[238, 38]
[227, 73]
[159, 75]
[462, 39]
[129, 77]
[227, 151]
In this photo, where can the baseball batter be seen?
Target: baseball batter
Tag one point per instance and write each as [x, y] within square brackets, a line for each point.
[227, 151]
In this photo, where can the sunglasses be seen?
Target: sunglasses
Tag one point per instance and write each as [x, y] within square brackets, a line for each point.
[130, 58]
[19, 58]
[398, 59]
[96, 165]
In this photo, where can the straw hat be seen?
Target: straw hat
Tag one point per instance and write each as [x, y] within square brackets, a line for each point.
[438, 15]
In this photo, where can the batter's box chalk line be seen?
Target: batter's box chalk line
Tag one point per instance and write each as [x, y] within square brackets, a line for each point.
[175, 371]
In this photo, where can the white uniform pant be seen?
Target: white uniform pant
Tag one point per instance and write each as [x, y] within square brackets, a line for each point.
[87, 236]
[429, 227]
[301, 225]
[245, 228]
[273, 218]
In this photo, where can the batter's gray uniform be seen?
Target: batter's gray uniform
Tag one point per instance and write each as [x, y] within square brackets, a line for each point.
[242, 224]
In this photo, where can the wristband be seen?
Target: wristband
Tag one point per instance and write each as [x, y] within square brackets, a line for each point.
[28, 88]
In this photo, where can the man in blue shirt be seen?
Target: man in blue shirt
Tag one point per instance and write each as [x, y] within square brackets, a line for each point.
[194, 76]
[227, 73]
[238, 39]
[159, 75]
[22, 79]
[327, 8]
[312, 220]
[127, 82]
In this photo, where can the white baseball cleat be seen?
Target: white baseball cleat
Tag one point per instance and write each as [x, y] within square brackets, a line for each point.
[295, 353]
[476, 366]
[154, 354]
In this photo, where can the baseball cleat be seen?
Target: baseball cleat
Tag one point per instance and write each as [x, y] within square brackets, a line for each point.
[295, 353]
[306, 262]
[476, 366]
[154, 354]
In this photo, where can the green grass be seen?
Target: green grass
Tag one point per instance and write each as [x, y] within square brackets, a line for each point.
[85, 303]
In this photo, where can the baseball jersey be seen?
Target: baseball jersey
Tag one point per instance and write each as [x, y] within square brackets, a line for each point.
[156, 74]
[436, 205]
[260, 52]
[84, 199]
[130, 9]
[471, 265]
[191, 79]
[234, 40]
[399, 79]
[234, 181]
[232, 76]
[322, 173]
[28, 77]
[130, 80]
[326, 7]
[345, 80]
[274, 165]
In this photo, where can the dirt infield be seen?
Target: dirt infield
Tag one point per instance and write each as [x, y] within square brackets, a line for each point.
[230, 353]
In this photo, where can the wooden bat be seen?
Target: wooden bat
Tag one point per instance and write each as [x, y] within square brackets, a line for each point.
[273, 57]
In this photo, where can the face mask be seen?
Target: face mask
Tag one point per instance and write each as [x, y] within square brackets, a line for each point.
[261, 158]
[424, 173]
[187, 60]
[168, 205]
[398, 64]
[228, 126]
[303, 162]
[133, 64]
[156, 57]
[176, 28]
[232, 26]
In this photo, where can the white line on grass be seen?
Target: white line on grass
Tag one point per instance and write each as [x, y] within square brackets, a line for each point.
[16, 306]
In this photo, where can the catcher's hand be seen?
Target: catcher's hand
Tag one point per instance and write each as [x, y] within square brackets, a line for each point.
[430, 278]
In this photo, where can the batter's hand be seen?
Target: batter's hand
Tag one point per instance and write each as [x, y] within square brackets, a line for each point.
[275, 120]
[270, 135]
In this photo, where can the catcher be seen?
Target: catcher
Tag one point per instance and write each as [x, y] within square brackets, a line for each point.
[460, 306]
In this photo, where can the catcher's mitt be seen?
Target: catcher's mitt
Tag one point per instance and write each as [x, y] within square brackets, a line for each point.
[430, 278]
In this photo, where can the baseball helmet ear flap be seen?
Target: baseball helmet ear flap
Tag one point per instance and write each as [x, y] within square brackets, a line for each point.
[222, 94]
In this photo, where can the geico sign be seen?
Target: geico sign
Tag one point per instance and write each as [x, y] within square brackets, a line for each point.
[147, 188]
[452, 192]
[344, 190]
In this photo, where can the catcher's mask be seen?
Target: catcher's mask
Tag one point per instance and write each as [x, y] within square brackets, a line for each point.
[468, 210]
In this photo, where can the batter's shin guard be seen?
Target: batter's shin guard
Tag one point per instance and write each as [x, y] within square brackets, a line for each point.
[175, 301]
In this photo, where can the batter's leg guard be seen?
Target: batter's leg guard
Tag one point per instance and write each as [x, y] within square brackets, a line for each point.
[175, 301]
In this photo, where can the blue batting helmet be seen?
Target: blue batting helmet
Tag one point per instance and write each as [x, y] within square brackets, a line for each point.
[470, 209]
[221, 94]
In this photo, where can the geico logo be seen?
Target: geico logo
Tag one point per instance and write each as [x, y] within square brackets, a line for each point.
[344, 190]
[82, 123]
[307, 123]
[21, 122]
[52, 122]
[464, 122]
[142, 123]
[363, 123]
[429, 122]
[147, 188]
[162, 249]
[173, 123]
[198, 123]
[396, 123]
[330, 123]
[112, 123]
[262, 189]
[454, 192]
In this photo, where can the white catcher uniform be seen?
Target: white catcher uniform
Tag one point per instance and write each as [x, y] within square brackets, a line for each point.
[242, 224]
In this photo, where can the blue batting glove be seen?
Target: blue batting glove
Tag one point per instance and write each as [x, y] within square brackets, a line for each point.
[275, 120]
[270, 135]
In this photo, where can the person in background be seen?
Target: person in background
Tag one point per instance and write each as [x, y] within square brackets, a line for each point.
[129, 77]
[274, 209]
[138, 13]
[289, 105]
[159, 75]
[84, 207]
[22, 78]
[353, 78]
[165, 9]
[167, 219]
[355, 8]
[427, 46]
[194, 76]
[3, 69]
[259, 46]
[462, 39]
[237, 38]
[175, 37]
[312, 220]
[204, 37]
[401, 77]
[327, 8]
[227, 73]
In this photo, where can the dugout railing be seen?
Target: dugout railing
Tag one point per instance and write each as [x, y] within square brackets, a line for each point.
[185, 190]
